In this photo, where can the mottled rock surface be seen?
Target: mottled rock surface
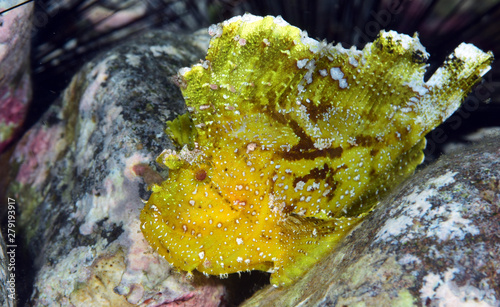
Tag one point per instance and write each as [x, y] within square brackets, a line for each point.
[434, 242]
[81, 172]
[15, 84]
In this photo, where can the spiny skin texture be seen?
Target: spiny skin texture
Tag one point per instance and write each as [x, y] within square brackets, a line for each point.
[289, 143]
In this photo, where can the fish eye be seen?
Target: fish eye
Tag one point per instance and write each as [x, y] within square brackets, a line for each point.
[200, 174]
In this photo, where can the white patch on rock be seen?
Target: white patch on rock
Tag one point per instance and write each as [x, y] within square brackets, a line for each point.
[393, 227]
[133, 60]
[71, 269]
[448, 225]
[415, 205]
[431, 282]
[96, 208]
[408, 258]
[101, 75]
[168, 50]
[442, 291]
[85, 149]
[443, 223]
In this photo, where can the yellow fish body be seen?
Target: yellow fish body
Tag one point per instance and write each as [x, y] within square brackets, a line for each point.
[290, 142]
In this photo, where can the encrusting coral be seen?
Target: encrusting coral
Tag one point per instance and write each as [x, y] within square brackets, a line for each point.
[288, 143]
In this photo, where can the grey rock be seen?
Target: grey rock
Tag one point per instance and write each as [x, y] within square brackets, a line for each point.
[82, 171]
[434, 242]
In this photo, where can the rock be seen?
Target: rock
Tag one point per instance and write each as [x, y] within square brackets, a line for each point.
[15, 84]
[82, 171]
[434, 242]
